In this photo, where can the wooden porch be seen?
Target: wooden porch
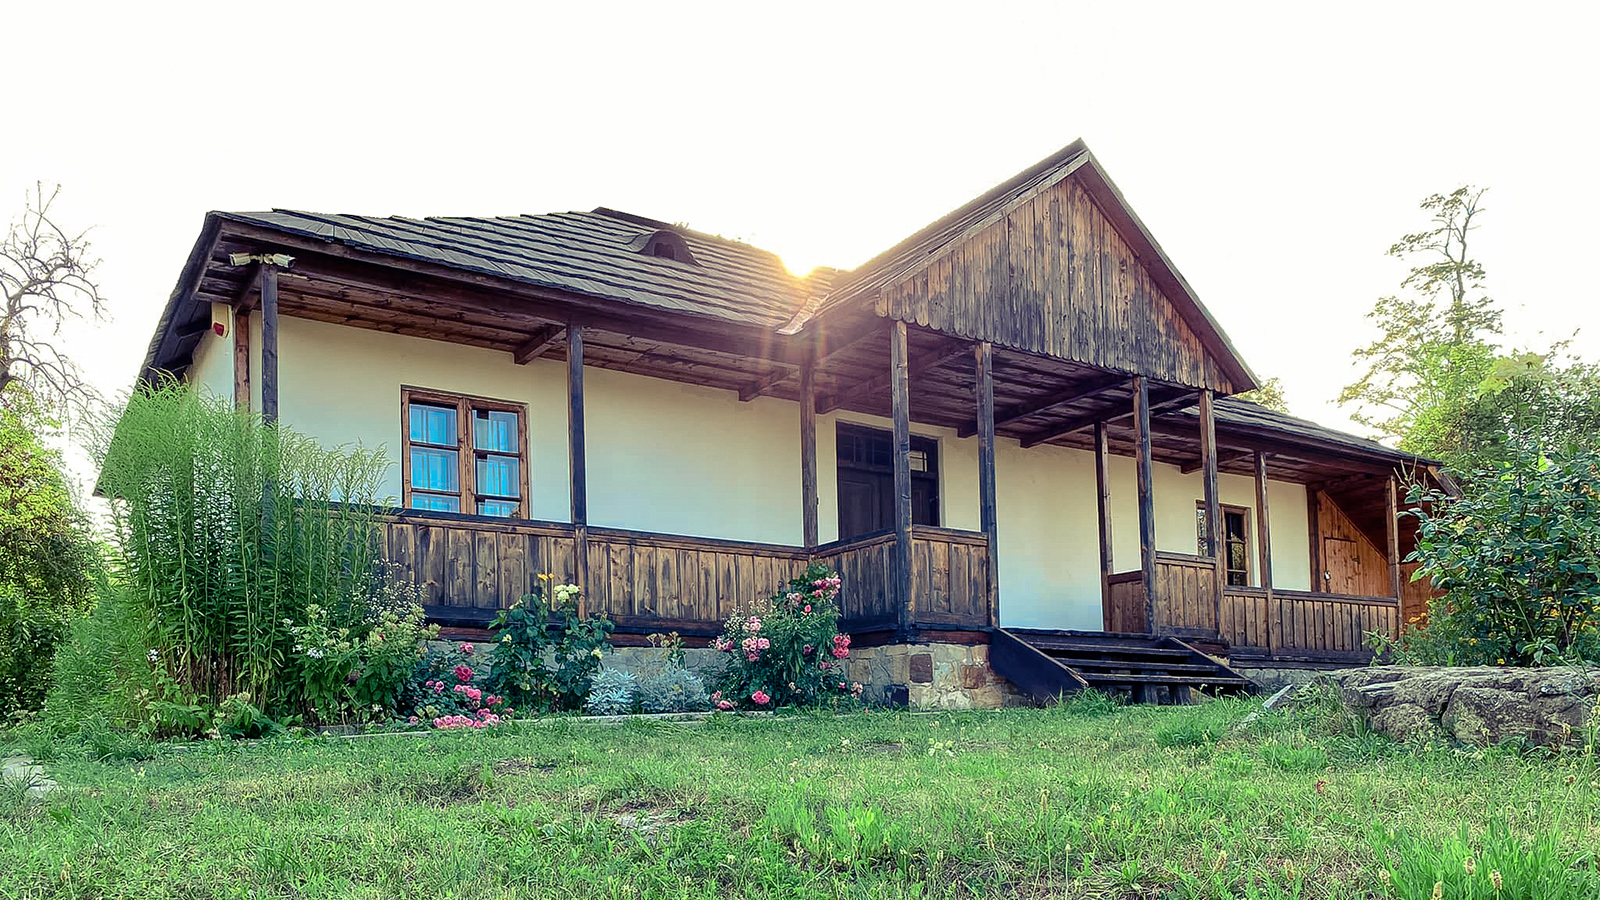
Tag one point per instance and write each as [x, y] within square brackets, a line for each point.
[470, 567]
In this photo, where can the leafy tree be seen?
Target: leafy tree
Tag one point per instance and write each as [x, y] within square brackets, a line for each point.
[46, 280]
[1436, 379]
[46, 558]
[1269, 394]
[1517, 560]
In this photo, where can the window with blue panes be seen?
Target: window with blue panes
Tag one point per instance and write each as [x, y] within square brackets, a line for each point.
[465, 454]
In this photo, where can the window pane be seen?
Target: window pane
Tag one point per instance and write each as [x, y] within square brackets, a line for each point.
[496, 508]
[495, 431]
[436, 502]
[499, 476]
[435, 470]
[433, 424]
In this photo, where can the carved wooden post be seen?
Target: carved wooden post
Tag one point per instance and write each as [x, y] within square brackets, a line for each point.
[1217, 541]
[269, 343]
[576, 463]
[808, 455]
[900, 403]
[1147, 512]
[987, 503]
[1102, 480]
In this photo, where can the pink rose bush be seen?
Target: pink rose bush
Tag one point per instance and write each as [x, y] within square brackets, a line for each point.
[774, 648]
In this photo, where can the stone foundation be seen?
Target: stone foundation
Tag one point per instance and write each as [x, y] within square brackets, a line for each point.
[930, 676]
[1482, 705]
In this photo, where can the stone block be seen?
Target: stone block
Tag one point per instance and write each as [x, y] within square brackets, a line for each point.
[921, 666]
[973, 677]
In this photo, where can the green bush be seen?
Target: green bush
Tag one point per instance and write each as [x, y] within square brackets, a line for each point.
[787, 650]
[612, 692]
[535, 665]
[230, 531]
[47, 559]
[103, 669]
[1517, 560]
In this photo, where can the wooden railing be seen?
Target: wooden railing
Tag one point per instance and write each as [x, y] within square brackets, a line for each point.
[470, 566]
[1304, 623]
[1282, 624]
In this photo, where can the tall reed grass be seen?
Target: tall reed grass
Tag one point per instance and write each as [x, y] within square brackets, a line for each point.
[228, 528]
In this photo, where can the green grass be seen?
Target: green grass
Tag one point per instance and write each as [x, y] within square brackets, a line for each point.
[1077, 801]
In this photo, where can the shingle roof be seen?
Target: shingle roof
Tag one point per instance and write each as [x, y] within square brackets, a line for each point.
[595, 253]
[1231, 411]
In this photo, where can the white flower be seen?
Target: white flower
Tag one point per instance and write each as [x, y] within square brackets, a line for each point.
[153, 656]
[314, 653]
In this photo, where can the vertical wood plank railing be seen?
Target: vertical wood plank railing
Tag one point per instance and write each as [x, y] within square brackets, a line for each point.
[1290, 624]
[469, 567]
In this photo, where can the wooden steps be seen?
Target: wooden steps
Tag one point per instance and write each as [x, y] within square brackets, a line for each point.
[1145, 668]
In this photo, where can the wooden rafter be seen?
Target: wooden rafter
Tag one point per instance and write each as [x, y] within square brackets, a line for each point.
[1034, 407]
[1223, 461]
[539, 341]
[919, 366]
[823, 348]
[1173, 401]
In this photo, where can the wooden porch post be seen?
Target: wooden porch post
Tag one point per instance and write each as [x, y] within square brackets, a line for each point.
[1392, 511]
[576, 464]
[1217, 544]
[241, 359]
[808, 455]
[1102, 480]
[1147, 512]
[269, 343]
[1314, 525]
[900, 404]
[1264, 538]
[987, 505]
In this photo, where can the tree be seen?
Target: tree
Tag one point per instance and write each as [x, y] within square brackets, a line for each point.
[46, 279]
[1269, 394]
[47, 558]
[1436, 379]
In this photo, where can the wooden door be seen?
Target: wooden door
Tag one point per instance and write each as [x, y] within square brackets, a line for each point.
[1341, 560]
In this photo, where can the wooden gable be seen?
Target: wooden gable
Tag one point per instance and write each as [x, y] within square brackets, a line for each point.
[1055, 274]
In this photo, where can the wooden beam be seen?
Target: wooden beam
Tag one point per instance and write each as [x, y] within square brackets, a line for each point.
[808, 456]
[1102, 480]
[1223, 460]
[1314, 526]
[1264, 536]
[821, 348]
[1392, 514]
[1147, 510]
[922, 365]
[540, 340]
[269, 344]
[987, 506]
[900, 405]
[244, 300]
[1175, 401]
[241, 360]
[1024, 410]
[1216, 541]
[577, 462]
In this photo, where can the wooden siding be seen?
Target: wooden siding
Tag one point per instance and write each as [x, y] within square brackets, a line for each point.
[1304, 624]
[1353, 563]
[1124, 604]
[648, 582]
[1055, 277]
[1185, 595]
[1414, 595]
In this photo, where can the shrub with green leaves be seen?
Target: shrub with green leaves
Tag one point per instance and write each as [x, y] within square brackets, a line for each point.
[1518, 561]
[47, 559]
[230, 530]
[539, 664]
[787, 650]
[674, 689]
[612, 692]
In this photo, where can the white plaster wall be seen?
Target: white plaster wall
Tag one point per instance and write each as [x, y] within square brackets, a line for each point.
[689, 460]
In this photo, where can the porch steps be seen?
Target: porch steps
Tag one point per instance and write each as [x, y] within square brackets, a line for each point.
[1146, 668]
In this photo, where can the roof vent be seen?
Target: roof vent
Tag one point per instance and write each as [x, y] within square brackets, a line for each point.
[665, 244]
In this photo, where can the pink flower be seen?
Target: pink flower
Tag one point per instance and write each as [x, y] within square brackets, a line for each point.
[724, 704]
[763, 643]
[466, 648]
[753, 626]
[463, 674]
[806, 650]
[716, 695]
[761, 698]
[411, 720]
[808, 608]
[840, 652]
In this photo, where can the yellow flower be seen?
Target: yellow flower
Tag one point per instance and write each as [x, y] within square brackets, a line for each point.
[545, 576]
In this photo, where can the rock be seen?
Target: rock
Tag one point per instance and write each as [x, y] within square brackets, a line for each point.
[1480, 706]
[22, 769]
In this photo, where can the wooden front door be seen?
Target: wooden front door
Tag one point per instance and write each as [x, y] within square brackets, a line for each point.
[866, 481]
[1342, 563]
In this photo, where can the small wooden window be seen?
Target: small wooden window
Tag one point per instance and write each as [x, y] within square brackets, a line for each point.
[464, 454]
[1236, 541]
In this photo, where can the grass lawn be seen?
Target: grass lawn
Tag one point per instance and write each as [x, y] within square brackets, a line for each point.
[1076, 801]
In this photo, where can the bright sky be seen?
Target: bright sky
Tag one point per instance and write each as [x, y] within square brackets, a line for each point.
[1275, 150]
